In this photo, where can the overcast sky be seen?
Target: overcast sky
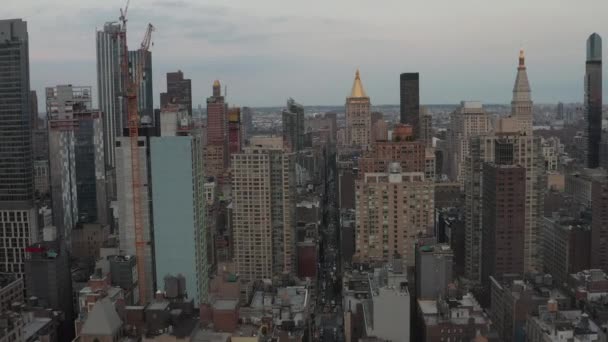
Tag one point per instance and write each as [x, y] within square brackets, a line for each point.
[268, 50]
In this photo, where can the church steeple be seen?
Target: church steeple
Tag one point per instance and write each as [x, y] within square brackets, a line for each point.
[357, 90]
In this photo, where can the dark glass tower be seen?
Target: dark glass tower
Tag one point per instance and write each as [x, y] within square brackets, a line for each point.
[410, 100]
[16, 168]
[593, 99]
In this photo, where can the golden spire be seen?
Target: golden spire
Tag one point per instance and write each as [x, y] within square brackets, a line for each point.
[216, 83]
[522, 58]
[357, 90]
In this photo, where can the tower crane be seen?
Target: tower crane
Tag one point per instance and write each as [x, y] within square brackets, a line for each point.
[132, 84]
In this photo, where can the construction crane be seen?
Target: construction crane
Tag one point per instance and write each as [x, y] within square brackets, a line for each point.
[132, 84]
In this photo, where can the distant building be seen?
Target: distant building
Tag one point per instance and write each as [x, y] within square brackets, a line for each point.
[521, 105]
[235, 131]
[579, 185]
[426, 127]
[293, 126]
[411, 155]
[385, 228]
[179, 91]
[593, 100]
[358, 117]
[468, 121]
[145, 93]
[216, 150]
[434, 264]
[410, 101]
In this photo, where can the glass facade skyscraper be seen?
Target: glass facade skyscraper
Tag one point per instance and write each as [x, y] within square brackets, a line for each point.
[409, 93]
[593, 99]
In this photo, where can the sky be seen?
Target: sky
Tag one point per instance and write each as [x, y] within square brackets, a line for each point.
[265, 51]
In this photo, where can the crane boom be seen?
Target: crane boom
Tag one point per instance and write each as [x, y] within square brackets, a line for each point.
[132, 85]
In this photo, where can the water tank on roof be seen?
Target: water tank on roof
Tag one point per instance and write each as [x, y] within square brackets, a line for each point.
[171, 286]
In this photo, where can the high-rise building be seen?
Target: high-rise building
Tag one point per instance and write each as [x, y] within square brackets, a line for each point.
[505, 148]
[247, 120]
[503, 220]
[392, 209]
[180, 241]
[560, 111]
[17, 211]
[410, 100]
[599, 225]
[145, 93]
[111, 85]
[124, 181]
[293, 126]
[216, 156]
[426, 127]
[77, 168]
[358, 117]
[468, 121]
[179, 91]
[521, 105]
[593, 99]
[409, 154]
[263, 199]
[235, 131]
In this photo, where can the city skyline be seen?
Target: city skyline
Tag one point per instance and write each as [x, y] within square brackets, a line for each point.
[253, 46]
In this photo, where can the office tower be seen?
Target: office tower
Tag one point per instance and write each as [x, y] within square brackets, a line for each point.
[17, 211]
[506, 148]
[599, 225]
[560, 111]
[180, 241]
[503, 220]
[48, 278]
[247, 120]
[263, 199]
[111, 86]
[434, 265]
[124, 181]
[392, 209]
[293, 126]
[521, 105]
[468, 121]
[235, 131]
[426, 127]
[216, 159]
[409, 91]
[593, 99]
[179, 91]
[358, 117]
[77, 166]
[145, 94]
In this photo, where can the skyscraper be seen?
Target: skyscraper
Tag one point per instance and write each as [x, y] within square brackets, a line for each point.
[358, 116]
[293, 126]
[593, 99]
[503, 220]
[179, 91]
[511, 147]
[235, 131]
[145, 94]
[180, 240]
[263, 194]
[216, 150]
[468, 121]
[111, 86]
[392, 209]
[17, 211]
[77, 166]
[521, 105]
[409, 91]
